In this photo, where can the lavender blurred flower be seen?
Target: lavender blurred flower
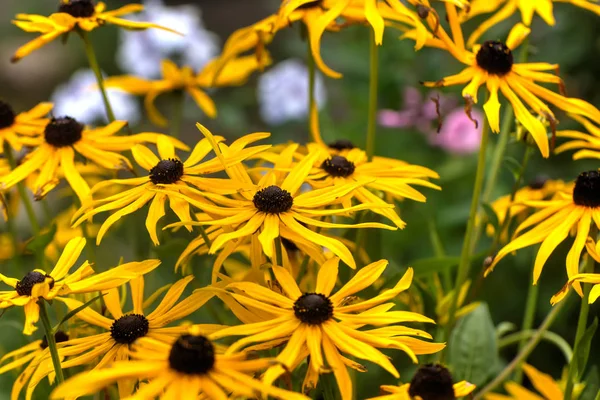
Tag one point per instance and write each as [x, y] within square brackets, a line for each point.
[283, 92]
[458, 134]
[140, 53]
[79, 98]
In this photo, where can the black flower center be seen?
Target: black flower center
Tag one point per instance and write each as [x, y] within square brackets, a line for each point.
[338, 166]
[587, 189]
[495, 57]
[538, 182]
[310, 4]
[273, 200]
[313, 308]
[128, 328]
[193, 355]
[167, 171]
[77, 8]
[63, 132]
[59, 337]
[25, 285]
[432, 382]
[341, 144]
[7, 115]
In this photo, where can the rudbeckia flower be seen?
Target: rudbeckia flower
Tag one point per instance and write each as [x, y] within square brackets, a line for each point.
[586, 144]
[39, 285]
[166, 175]
[319, 322]
[62, 141]
[431, 381]
[492, 64]
[504, 9]
[187, 368]
[13, 125]
[593, 250]
[236, 72]
[71, 16]
[65, 232]
[572, 210]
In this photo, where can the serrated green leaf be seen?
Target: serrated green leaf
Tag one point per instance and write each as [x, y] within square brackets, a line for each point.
[39, 243]
[491, 215]
[592, 385]
[472, 347]
[582, 349]
[72, 313]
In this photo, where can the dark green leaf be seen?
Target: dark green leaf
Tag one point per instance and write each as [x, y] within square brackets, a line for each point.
[582, 349]
[428, 266]
[513, 166]
[592, 385]
[491, 216]
[71, 313]
[472, 348]
[39, 243]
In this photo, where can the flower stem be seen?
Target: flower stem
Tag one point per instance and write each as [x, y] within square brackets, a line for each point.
[91, 55]
[311, 91]
[373, 85]
[278, 252]
[60, 378]
[528, 318]
[177, 113]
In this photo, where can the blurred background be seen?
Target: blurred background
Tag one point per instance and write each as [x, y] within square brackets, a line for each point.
[275, 101]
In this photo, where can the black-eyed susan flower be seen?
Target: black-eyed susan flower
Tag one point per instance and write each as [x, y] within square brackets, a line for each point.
[186, 368]
[593, 250]
[65, 232]
[38, 284]
[12, 125]
[169, 174]
[236, 72]
[430, 382]
[64, 139]
[571, 210]
[323, 325]
[586, 144]
[73, 15]
[492, 63]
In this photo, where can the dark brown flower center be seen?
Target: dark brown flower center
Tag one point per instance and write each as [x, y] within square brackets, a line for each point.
[25, 285]
[167, 171]
[538, 182]
[59, 337]
[432, 382]
[273, 200]
[338, 166]
[63, 132]
[587, 189]
[313, 308]
[192, 355]
[495, 57]
[129, 327]
[342, 144]
[7, 115]
[77, 8]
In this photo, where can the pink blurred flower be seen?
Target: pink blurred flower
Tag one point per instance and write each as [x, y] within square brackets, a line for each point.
[458, 134]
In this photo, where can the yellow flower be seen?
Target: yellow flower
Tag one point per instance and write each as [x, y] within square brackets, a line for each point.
[65, 232]
[444, 300]
[588, 144]
[313, 323]
[236, 72]
[492, 64]
[172, 175]
[37, 284]
[504, 9]
[594, 279]
[431, 381]
[62, 141]
[572, 210]
[30, 122]
[74, 15]
[188, 368]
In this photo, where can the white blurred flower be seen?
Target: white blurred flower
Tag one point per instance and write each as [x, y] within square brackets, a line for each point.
[79, 98]
[141, 52]
[283, 92]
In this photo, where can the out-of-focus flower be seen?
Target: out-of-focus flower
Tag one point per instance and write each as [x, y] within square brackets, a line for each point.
[587, 145]
[458, 134]
[283, 92]
[140, 53]
[81, 99]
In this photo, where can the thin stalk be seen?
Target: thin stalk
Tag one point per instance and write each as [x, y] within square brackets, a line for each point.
[60, 378]
[551, 337]
[205, 237]
[89, 242]
[373, 86]
[91, 55]
[177, 113]
[528, 319]
[464, 264]
[526, 351]
[278, 252]
[311, 90]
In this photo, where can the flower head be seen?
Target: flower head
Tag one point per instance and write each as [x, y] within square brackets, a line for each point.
[13, 125]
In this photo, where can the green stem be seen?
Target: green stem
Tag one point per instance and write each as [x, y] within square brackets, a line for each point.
[525, 352]
[524, 335]
[278, 252]
[311, 89]
[373, 86]
[464, 264]
[204, 235]
[177, 114]
[89, 242]
[60, 378]
[528, 319]
[91, 55]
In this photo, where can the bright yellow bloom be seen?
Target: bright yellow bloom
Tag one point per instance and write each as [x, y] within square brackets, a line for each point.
[38, 285]
[74, 15]
[588, 144]
[62, 141]
[593, 250]
[188, 368]
[166, 175]
[65, 232]
[492, 64]
[317, 323]
[236, 72]
[30, 122]
[504, 9]
[571, 210]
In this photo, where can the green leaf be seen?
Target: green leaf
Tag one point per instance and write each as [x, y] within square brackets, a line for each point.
[592, 385]
[582, 349]
[472, 348]
[513, 166]
[39, 243]
[428, 266]
[72, 313]
[491, 215]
